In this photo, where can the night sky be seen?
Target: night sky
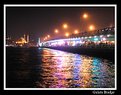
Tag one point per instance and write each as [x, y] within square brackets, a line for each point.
[41, 21]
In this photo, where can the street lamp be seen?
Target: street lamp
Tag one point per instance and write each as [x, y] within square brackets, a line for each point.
[48, 36]
[45, 38]
[67, 34]
[76, 32]
[65, 26]
[56, 31]
[91, 27]
[85, 15]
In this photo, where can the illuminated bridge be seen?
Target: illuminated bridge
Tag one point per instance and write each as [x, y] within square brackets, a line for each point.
[99, 44]
[101, 38]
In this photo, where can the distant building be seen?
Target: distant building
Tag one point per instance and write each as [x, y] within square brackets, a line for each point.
[10, 42]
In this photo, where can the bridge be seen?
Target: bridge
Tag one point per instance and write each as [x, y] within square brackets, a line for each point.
[103, 38]
[100, 44]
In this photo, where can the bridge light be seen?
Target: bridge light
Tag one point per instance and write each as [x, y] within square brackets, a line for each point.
[95, 36]
[85, 15]
[104, 39]
[101, 36]
[95, 39]
[108, 35]
[48, 36]
[45, 38]
[65, 26]
[67, 34]
[76, 32]
[56, 30]
[91, 27]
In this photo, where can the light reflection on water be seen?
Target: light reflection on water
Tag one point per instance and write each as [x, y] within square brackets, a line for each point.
[67, 70]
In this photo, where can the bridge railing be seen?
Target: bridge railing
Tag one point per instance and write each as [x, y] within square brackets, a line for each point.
[100, 41]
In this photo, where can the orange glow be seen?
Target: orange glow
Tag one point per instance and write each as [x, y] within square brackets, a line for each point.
[85, 15]
[45, 38]
[86, 68]
[91, 27]
[48, 36]
[76, 32]
[21, 41]
[56, 30]
[66, 34]
[65, 26]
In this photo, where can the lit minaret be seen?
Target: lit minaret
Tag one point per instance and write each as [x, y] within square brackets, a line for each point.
[24, 37]
[39, 42]
[27, 38]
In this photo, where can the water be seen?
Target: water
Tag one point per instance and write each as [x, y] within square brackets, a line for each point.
[48, 68]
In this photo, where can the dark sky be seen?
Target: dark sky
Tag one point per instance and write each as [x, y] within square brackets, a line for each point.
[40, 21]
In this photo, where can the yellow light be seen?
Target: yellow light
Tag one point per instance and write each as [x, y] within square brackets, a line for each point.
[66, 34]
[91, 27]
[56, 30]
[65, 26]
[85, 15]
[76, 32]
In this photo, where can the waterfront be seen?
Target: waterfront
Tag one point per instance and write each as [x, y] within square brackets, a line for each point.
[49, 68]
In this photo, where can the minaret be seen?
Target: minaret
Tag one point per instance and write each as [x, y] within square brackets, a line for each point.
[24, 37]
[39, 43]
[27, 38]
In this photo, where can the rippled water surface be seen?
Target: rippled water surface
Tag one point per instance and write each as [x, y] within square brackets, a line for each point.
[48, 68]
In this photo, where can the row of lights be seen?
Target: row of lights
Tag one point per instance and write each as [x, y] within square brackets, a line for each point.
[101, 36]
[65, 26]
[66, 34]
[95, 39]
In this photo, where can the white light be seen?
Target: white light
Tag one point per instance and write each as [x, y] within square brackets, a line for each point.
[96, 39]
[104, 39]
[101, 36]
[108, 35]
[95, 36]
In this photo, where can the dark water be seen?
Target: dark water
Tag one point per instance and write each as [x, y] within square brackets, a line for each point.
[48, 68]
